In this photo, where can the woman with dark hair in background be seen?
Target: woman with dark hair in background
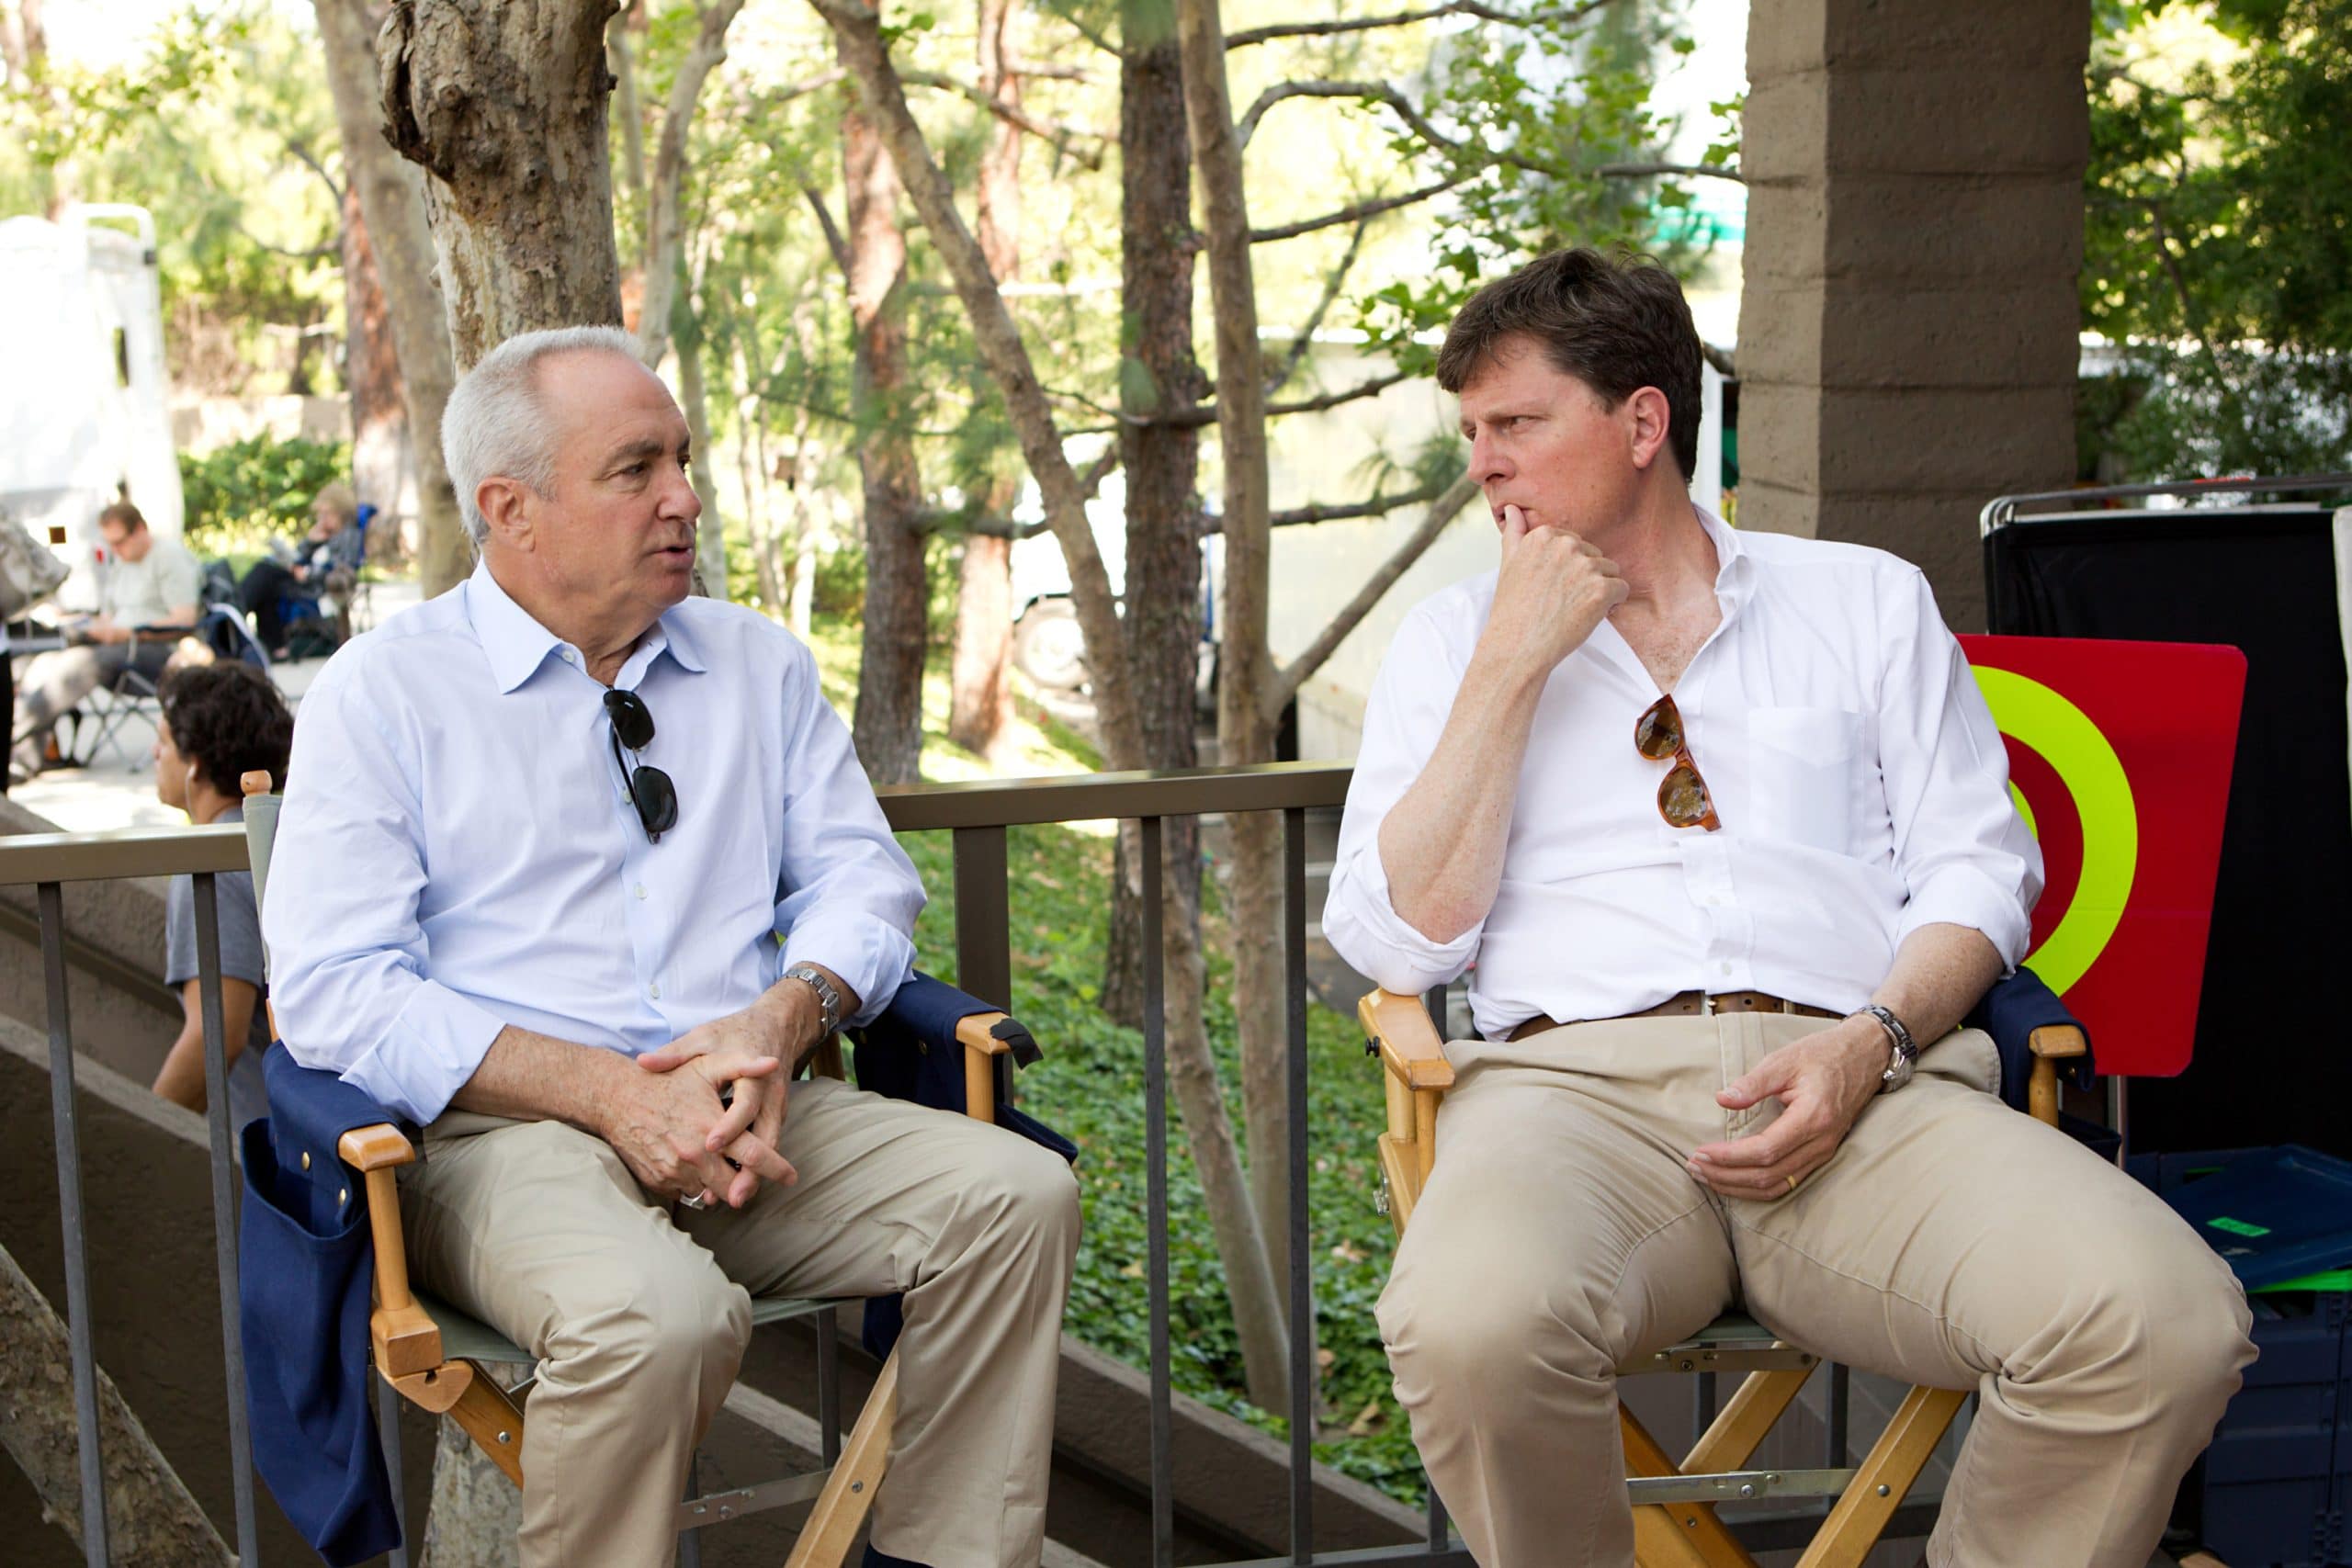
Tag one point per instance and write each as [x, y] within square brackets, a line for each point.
[220, 722]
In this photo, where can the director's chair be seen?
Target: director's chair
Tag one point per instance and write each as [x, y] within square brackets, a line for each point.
[2125, 941]
[327, 1160]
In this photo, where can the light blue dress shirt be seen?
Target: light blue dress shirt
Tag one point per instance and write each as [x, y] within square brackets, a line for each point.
[459, 852]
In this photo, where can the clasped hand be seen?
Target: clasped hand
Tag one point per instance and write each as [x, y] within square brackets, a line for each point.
[701, 1116]
[1821, 1081]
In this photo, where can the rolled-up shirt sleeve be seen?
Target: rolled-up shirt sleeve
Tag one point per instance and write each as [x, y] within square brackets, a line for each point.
[1965, 856]
[340, 914]
[1406, 713]
[847, 895]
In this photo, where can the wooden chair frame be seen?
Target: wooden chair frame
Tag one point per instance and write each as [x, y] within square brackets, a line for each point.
[1675, 1525]
[407, 1330]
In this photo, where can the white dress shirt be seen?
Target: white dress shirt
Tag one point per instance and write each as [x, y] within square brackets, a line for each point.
[1860, 782]
[458, 851]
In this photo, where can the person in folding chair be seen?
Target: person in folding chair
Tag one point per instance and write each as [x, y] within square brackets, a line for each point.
[1725, 826]
[148, 601]
[539, 837]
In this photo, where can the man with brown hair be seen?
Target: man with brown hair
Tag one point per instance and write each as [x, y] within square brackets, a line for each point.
[1724, 825]
[147, 603]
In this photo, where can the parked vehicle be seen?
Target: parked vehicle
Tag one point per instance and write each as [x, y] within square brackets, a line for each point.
[83, 391]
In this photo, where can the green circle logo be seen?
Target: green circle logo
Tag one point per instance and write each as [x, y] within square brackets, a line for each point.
[2088, 767]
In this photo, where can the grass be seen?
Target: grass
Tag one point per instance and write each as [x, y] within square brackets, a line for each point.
[1091, 1087]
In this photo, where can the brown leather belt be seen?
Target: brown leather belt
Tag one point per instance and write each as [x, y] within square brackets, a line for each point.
[1691, 1004]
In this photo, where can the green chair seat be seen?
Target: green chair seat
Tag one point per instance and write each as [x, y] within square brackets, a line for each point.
[1734, 1342]
[465, 1338]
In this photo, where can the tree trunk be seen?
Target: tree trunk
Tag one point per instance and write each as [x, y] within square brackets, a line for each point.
[857, 30]
[1256, 1311]
[396, 229]
[151, 1518]
[371, 368]
[751, 476]
[888, 723]
[502, 106]
[1161, 464]
[710, 533]
[980, 683]
[664, 235]
[1245, 726]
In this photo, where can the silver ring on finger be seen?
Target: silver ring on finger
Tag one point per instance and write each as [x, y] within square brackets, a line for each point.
[691, 1202]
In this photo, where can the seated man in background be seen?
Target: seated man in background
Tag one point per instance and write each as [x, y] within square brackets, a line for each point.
[326, 560]
[220, 722]
[542, 835]
[147, 601]
[1724, 823]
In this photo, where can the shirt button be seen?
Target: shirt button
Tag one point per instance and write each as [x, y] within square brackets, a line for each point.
[641, 890]
[1725, 969]
[569, 656]
[654, 991]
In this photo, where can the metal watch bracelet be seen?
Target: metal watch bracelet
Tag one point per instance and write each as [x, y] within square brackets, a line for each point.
[1904, 1053]
[829, 999]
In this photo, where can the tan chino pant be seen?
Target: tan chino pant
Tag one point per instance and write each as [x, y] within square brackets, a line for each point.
[640, 1316]
[1950, 1241]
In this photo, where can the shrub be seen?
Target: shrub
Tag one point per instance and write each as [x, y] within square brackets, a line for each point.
[240, 494]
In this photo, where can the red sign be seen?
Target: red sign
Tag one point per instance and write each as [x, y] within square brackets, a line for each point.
[2119, 757]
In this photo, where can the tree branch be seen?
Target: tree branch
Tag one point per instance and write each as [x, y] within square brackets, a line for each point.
[663, 219]
[1557, 15]
[833, 239]
[310, 162]
[1331, 286]
[1201, 415]
[1296, 674]
[1377, 92]
[1060, 136]
[1651, 171]
[1043, 72]
[1378, 506]
[1090, 482]
[1362, 211]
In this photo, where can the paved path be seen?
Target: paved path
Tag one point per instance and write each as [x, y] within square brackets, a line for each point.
[118, 789]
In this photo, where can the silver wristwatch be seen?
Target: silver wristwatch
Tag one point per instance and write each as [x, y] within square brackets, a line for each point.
[828, 996]
[1904, 1051]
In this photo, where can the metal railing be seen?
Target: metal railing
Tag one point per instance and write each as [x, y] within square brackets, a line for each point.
[977, 816]
[47, 862]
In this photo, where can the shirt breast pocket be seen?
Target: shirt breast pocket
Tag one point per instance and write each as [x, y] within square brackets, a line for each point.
[1805, 774]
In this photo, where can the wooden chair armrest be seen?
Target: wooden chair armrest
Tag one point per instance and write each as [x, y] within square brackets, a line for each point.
[1399, 1029]
[378, 1148]
[2048, 1045]
[406, 1340]
[972, 1034]
[2058, 1040]
[981, 1050]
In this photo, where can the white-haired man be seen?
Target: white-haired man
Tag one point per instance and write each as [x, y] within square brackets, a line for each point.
[540, 838]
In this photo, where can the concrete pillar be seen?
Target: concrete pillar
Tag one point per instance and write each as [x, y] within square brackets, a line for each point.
[1908, 312]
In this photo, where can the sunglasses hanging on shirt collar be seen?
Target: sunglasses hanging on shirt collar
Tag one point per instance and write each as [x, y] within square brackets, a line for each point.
[655, 796]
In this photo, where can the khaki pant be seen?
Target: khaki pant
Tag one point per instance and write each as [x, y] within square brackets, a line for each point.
[1950, 1241]
[640, 1316]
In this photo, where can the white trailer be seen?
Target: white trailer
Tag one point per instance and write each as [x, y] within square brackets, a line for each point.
[84, 400]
